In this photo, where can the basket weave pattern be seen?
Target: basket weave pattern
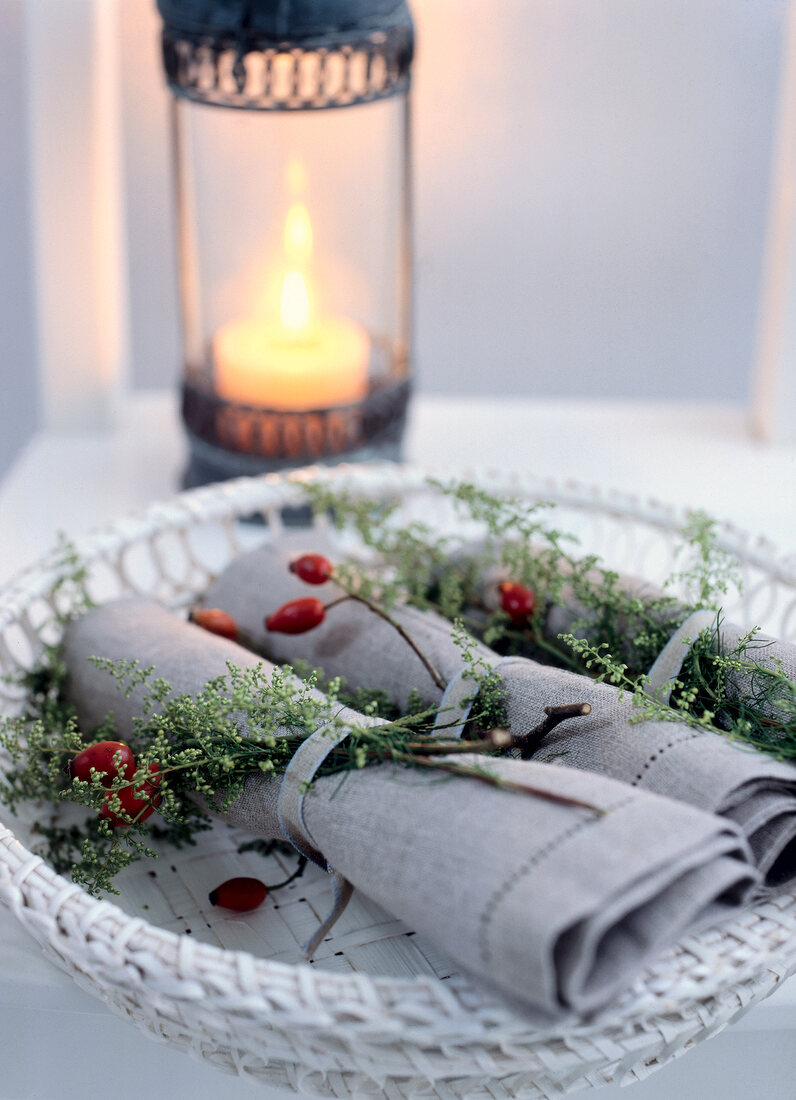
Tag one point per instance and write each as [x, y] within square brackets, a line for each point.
[345, 1031]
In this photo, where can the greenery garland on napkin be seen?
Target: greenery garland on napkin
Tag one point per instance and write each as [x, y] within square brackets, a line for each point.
[621, 629]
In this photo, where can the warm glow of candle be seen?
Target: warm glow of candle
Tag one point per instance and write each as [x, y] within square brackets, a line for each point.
[298, 234]
[295, 304]
[300, 361]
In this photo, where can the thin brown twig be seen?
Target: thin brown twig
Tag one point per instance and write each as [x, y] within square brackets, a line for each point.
[529, 742]
[299, 871]
[504, 784]
[427, 664]
[498, 738]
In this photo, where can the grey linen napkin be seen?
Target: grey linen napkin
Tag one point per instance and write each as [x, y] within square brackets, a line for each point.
[667, 757]
[554, 905]
[764, 652]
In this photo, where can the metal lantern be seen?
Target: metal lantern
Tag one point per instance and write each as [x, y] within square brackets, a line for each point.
[291, 145]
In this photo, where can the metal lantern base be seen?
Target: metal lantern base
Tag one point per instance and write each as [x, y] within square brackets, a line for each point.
[228, 440]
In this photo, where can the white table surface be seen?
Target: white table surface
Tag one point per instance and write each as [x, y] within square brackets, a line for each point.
[57, 1042]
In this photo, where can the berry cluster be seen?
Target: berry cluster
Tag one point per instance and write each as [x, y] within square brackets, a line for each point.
[307, 612]
[517, 601]
[215, 621]
[294, 617]
[113, 760]
[239, 894]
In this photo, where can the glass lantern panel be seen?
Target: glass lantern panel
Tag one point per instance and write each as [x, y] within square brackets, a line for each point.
[294, 224]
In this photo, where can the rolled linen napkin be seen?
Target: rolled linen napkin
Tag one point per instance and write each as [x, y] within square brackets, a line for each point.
[762, 652]
[669, 758]
[557, 906]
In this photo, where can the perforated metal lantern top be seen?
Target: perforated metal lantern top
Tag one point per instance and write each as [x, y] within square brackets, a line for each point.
[286, 54]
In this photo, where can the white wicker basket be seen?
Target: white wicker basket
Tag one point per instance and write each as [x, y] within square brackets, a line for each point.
[379, 1012]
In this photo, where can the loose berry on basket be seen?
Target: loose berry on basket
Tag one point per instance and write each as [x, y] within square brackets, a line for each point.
[312, 568]
[296, 616]
[216, 621]
[517, 601]
[137, 803]
[240, 894]
[108, 758]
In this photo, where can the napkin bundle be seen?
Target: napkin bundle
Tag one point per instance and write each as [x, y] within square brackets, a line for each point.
[670, 758]
[763, 652]
[557, 906]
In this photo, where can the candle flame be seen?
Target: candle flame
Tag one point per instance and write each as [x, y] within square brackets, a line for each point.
[295, 305]
[298, 235]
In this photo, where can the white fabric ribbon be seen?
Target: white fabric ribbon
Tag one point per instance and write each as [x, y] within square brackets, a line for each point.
[669, 661]
[299, 774]
[460, 693]
[455, 708]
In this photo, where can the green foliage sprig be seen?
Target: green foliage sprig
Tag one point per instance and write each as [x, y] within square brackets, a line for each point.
[205, 746]
[616, 631]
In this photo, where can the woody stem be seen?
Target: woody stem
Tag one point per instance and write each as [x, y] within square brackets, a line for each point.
[529, 742]
[427, 664]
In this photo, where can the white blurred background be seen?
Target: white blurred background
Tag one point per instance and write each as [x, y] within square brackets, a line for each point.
[594, 184]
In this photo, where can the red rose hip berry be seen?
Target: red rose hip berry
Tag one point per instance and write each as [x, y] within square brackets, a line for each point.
[240, 894]
[137, 804]
[103, 758]
[216, 621]
[296, 616]
[312, 568]
[517, 601]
